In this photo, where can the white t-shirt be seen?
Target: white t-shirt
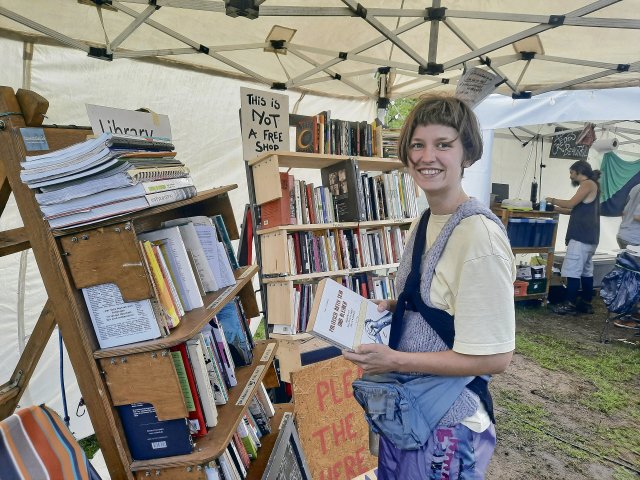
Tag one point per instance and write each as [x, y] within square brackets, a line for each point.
[473, 281]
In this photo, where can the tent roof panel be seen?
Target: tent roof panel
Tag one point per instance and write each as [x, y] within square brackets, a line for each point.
[478, 29]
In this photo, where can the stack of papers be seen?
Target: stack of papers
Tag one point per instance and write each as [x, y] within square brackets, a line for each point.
[105, 176]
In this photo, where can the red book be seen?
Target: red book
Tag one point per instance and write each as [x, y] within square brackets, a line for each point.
[311, 203]
[296, 245]
[196, 417]
[280, 211]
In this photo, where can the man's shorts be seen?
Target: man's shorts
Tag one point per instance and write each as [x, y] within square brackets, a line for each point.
[578, 261]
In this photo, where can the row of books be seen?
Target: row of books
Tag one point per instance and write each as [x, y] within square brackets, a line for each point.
[322, 134]
[149, 438]
[333, 250]
[390, 137]
[185, 259]
[369, 285]
[106, 176]
[346, 195]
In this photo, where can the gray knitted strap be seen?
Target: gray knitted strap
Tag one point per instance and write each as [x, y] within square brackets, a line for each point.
[467, 209]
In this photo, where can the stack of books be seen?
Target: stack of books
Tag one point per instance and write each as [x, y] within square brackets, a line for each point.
[390, 137]
[106, 176]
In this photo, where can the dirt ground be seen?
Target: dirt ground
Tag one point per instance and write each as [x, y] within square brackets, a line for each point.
[549, 453]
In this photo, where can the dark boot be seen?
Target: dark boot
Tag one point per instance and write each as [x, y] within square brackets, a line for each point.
[584, 307]
[565, 308]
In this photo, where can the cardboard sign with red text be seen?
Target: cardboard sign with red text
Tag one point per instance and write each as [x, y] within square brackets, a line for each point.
[331, 424]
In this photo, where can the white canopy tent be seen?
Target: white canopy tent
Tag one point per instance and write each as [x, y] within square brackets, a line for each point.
[157, 58]
[499, 112]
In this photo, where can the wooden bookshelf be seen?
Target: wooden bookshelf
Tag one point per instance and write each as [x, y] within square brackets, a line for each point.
[192, 321]
[505, 215]
[212, 445]
[307, 277]
[108, 252]
[278, 283]
[259, 465]
[335, 226]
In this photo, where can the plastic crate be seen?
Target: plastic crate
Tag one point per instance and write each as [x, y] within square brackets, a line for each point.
[520, 288]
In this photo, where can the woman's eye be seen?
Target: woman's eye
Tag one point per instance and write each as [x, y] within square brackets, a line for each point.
[443, 145]
[415, 146]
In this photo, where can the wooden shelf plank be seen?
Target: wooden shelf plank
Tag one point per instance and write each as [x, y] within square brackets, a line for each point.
[318, 160]
[13, 241]
[259, 465]
[518, 250]
[192, 321]
[530, 296]
[339, 225]
[336, 273]
[213, 444]
[153, 215]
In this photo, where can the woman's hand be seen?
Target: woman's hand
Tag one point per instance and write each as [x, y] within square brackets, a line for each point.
[374, 358]
[383, 305]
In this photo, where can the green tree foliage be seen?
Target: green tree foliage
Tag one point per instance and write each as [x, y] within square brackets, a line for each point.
[398, 111]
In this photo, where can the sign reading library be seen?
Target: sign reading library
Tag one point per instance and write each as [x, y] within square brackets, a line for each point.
[128, 122]
[264, 117]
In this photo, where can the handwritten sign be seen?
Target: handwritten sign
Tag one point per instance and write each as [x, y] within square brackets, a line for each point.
[564, 146]
[476, 84]
[128, 122]
[331, 424]
[264, 117]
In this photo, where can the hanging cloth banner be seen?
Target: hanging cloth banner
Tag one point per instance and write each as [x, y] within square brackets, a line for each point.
[618, 178]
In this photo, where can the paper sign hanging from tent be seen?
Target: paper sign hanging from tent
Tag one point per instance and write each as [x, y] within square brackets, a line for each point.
[128, 122]
[264, 118]
[476, 84]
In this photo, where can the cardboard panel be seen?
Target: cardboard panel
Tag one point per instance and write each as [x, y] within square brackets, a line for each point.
[266, 179]
[332, 428]
[280, 303]
[275, 253]
[108, 255]
[129, 381]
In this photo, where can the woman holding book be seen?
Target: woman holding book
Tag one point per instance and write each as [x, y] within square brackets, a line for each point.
[454, 321]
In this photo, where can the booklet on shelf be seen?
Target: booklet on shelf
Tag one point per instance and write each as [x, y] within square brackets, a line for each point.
[346, 319]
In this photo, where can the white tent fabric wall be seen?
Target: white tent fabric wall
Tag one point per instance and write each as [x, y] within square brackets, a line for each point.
[203, 110]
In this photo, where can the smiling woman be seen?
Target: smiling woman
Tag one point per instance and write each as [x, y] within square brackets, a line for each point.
[446, 339]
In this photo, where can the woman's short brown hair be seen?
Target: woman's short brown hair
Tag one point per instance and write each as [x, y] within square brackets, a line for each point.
[443, 110]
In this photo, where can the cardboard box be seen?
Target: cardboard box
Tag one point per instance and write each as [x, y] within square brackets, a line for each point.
[520, 288]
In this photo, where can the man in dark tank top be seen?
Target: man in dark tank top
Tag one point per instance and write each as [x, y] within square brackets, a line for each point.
[583, 235]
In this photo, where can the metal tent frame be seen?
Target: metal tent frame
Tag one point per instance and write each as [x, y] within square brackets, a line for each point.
[402, 70]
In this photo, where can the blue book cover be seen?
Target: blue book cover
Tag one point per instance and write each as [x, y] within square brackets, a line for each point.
[224, 238]
[149, 437]
[236, 335]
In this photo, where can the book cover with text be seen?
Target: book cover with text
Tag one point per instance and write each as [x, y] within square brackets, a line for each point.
[346, 319]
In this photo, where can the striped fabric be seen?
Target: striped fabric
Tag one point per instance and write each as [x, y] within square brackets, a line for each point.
[35, 444]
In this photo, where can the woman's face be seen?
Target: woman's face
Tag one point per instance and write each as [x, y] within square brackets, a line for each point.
[435, 158]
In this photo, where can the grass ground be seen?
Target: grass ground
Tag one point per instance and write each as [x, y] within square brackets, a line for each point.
[568, 406]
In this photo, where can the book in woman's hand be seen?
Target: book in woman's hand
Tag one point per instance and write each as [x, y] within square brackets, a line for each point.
[346, 319]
